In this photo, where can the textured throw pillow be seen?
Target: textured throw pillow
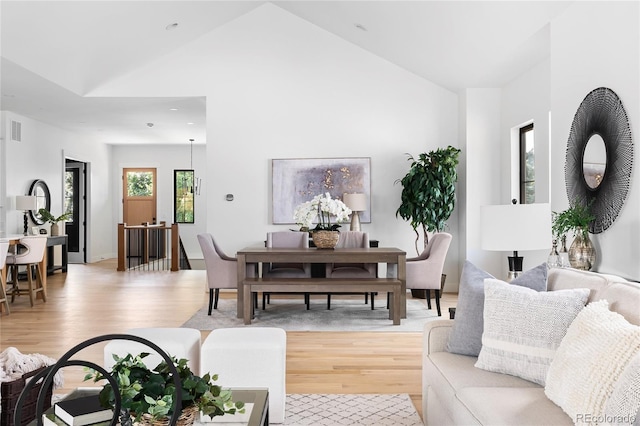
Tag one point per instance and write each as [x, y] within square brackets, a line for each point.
[466, 334]
[624, 403]
[597, 348]
[523, 328]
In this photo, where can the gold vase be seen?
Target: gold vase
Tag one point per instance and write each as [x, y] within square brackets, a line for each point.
[325, 239]
[582, 253]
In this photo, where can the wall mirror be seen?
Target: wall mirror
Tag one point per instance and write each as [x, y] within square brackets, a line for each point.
[40, 190]
[599, 157]
[594, 161]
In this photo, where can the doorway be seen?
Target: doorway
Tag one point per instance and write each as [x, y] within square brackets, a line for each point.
[75, 202]
[139, 196]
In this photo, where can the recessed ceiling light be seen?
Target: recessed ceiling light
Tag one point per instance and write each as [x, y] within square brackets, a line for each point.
[149, 124]
[190, 123]
[360, 27]
[171, 26]
[173, 109]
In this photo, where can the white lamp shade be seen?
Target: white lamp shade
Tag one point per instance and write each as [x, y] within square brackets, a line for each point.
[26, 202]
[514, 227]
[356, 202]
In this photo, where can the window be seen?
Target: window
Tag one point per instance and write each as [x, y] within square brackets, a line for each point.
[139, 184]
[527, 166]
[183, 211]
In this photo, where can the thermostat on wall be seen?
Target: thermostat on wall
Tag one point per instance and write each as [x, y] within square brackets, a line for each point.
[229, 197]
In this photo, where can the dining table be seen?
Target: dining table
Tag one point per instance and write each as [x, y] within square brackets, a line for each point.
[394, 258]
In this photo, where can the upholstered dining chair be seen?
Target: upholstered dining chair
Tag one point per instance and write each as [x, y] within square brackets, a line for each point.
[286, 239]
[222, 270]
[352, 239]
[4, 249]
[425, 271]
[30, 257]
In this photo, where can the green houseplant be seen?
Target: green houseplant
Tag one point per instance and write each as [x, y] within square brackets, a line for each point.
[428, 191]
[576, 219]
[48, 217]
[147, 394]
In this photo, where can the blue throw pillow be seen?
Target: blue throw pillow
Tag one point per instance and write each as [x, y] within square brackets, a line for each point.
[466, 335]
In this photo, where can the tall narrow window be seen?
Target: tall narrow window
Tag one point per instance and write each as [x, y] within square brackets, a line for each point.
[183, 183]
[527, 166]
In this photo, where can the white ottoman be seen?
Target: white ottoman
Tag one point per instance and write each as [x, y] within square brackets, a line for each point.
[249, 358]
[178, 342]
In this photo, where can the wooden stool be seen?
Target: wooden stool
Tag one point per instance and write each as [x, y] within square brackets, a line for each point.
[31, 258]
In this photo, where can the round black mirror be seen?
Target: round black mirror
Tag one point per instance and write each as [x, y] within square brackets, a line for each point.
[40, 190]
[599, 157]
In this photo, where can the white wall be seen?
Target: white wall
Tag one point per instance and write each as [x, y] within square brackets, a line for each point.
[40, 155]
[596, 44]
[527, 99]
[483, 174]
[279, 87]
[165, 158]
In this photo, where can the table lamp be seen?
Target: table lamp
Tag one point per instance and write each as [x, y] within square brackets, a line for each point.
[26, 203]
[516, 227]
[357, 202]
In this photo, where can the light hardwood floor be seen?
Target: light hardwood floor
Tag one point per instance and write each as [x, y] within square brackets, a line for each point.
[94, 299]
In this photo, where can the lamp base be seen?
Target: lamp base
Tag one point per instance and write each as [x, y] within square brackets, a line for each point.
[26, 224]
[515, 266]
[355, 221]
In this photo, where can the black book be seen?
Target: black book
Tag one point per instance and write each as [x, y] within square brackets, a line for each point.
[82, 411]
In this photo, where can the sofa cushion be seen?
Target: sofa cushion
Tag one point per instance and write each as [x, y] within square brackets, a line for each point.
[459, 372]
[512, 406]
[466, 335]
[624, 402]
[596, 349]
[523, 328]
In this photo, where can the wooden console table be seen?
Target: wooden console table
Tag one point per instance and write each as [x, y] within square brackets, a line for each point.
[393, 256]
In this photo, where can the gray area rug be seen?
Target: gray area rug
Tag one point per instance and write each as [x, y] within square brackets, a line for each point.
[290, 314]
[345, 409]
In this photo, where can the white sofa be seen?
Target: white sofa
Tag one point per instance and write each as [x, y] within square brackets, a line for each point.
[455, 392]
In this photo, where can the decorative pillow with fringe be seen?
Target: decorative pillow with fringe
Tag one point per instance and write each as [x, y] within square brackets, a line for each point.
[592, 357]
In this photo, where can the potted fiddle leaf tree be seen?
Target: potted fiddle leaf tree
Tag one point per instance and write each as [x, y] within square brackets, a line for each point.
[429, 194]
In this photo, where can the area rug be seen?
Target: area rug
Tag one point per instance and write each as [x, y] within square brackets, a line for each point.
[355, 409]
[291, 315]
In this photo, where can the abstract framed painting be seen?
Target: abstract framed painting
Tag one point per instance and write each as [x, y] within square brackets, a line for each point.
[296, 180]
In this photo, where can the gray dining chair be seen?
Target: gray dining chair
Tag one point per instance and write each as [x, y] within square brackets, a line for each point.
[286, 239]
[222, 270]
[352, 239]
[425, 271]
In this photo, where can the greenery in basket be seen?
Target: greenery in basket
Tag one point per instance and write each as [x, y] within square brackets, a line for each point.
[151, 392]
[576, 219]
[429, 191]
[323, 208]
[48, 217]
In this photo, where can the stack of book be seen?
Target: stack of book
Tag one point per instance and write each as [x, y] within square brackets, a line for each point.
[79, 408]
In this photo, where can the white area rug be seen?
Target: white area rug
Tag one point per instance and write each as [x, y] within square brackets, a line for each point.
[345, 409]
[291, 315]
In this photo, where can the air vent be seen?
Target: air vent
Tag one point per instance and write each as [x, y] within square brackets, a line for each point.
[16, 131]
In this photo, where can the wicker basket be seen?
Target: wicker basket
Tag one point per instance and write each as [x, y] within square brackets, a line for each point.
[325, 239]
[188, 417]
[11, 392]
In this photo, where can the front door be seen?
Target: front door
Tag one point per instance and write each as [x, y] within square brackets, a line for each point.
[139, 196]
[75, 203]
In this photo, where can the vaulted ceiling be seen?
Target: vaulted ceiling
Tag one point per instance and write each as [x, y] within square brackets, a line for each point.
[55, 52]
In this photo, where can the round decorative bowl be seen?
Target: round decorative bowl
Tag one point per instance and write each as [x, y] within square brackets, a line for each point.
[325, 239]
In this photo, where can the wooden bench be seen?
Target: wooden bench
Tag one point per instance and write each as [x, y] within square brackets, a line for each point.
[323, 285]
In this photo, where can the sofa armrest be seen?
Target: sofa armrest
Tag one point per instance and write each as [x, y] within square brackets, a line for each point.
[436, 335]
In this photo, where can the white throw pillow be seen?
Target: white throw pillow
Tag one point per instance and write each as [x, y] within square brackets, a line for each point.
[624, 403]
[523, 327]
[591, 358]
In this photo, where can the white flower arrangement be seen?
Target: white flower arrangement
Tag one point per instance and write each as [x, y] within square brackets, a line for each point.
[323, 207]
